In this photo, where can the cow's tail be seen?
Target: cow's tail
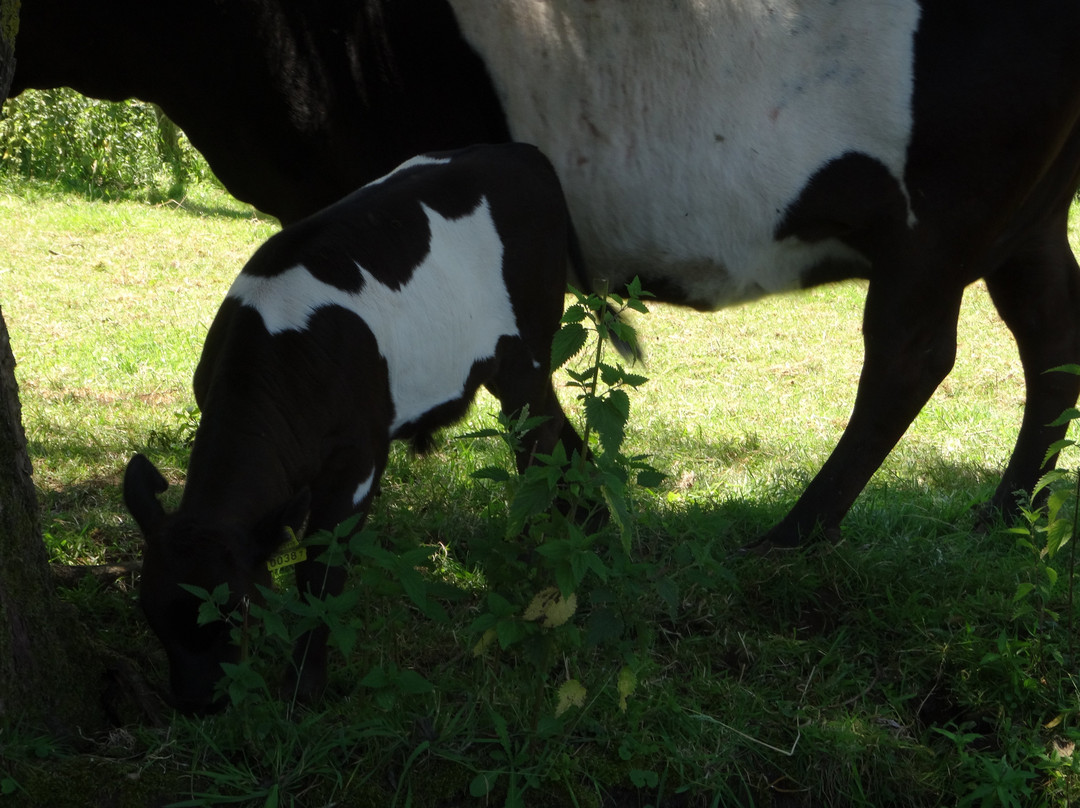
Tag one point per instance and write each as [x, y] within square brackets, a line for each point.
[627, 343]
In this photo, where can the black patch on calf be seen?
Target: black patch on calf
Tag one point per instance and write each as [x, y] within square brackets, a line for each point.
[386, 236]
[381, 227]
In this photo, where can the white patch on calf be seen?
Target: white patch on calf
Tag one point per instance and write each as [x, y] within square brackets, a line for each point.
[418, 160]
[683, 131]
[431, 331]
[363, 489]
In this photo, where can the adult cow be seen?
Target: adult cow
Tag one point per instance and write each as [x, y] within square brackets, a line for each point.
[721, 149]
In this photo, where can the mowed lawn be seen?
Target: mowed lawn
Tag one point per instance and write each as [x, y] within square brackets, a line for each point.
[893, 669]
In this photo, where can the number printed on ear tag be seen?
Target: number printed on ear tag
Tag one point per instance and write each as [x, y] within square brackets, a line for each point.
[290, 553]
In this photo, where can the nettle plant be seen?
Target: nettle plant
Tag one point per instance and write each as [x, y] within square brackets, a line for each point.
[570, 527]
[1051, 516]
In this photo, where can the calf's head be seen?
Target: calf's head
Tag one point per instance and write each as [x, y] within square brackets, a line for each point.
[178, 551]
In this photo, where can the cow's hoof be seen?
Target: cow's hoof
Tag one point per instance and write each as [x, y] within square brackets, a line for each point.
[778, 541]
[996, 513]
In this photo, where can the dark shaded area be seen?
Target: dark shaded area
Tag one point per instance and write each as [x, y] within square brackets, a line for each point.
[297, 104]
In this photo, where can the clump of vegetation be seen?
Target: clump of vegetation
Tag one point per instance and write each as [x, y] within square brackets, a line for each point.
[97, 148]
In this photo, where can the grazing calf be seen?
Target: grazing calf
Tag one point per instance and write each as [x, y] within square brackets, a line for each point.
[375, 319]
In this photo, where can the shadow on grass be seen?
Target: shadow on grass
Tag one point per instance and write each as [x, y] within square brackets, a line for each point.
[184, 204]
[859, 650]
[85, 522]
[176, 198]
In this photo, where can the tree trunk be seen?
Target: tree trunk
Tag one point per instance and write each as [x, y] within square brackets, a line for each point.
[49, 675]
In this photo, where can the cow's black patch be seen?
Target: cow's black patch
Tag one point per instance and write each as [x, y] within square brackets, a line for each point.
[854, 199]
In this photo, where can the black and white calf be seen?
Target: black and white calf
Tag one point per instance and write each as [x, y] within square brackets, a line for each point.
[376, 319]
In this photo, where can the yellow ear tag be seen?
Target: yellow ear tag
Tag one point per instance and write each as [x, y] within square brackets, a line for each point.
[290, 553]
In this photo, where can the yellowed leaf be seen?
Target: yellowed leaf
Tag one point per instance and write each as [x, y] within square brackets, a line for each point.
[571, 694]
[627, 686]
[550, 605]
[482, 644]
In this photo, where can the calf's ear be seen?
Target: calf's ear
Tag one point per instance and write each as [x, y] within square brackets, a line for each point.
[142, 483]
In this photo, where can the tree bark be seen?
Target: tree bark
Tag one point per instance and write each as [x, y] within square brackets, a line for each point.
[49, 675]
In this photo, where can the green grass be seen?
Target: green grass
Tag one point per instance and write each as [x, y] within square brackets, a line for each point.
[892, 669]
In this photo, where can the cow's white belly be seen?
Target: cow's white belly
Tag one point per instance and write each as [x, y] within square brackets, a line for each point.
[449, 315]
[683, 130]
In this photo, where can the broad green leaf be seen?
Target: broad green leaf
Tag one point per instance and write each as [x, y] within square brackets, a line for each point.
[274, 626]
[412, 683]
[621, 402]
[1057, 498]
[1069, 368]
[568, 340]
[621, 516]
[533, 496]
[1069, 415]
[1057, 446]
[608, 421]
[644, 778]
[1022, 591]
[482, 784]
[573, 314]
[610, 375]
[1051, 476]
[494, 473]
[499, 606]
[668, 590]
[1058, 536]
[603, 625]
[634, 289]
[1051, 577]
[511, 632]
[376, 678]
[650, 478]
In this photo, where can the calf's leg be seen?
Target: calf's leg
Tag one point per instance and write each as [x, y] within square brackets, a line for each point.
[338, 495]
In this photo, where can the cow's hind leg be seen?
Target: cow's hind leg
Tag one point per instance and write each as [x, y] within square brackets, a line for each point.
[1037, 294]
[909, 334]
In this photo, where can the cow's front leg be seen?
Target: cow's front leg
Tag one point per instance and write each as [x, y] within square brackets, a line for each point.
[909, 336]
[331, 504]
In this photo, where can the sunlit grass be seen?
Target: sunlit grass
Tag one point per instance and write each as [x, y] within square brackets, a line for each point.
[823, 675]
